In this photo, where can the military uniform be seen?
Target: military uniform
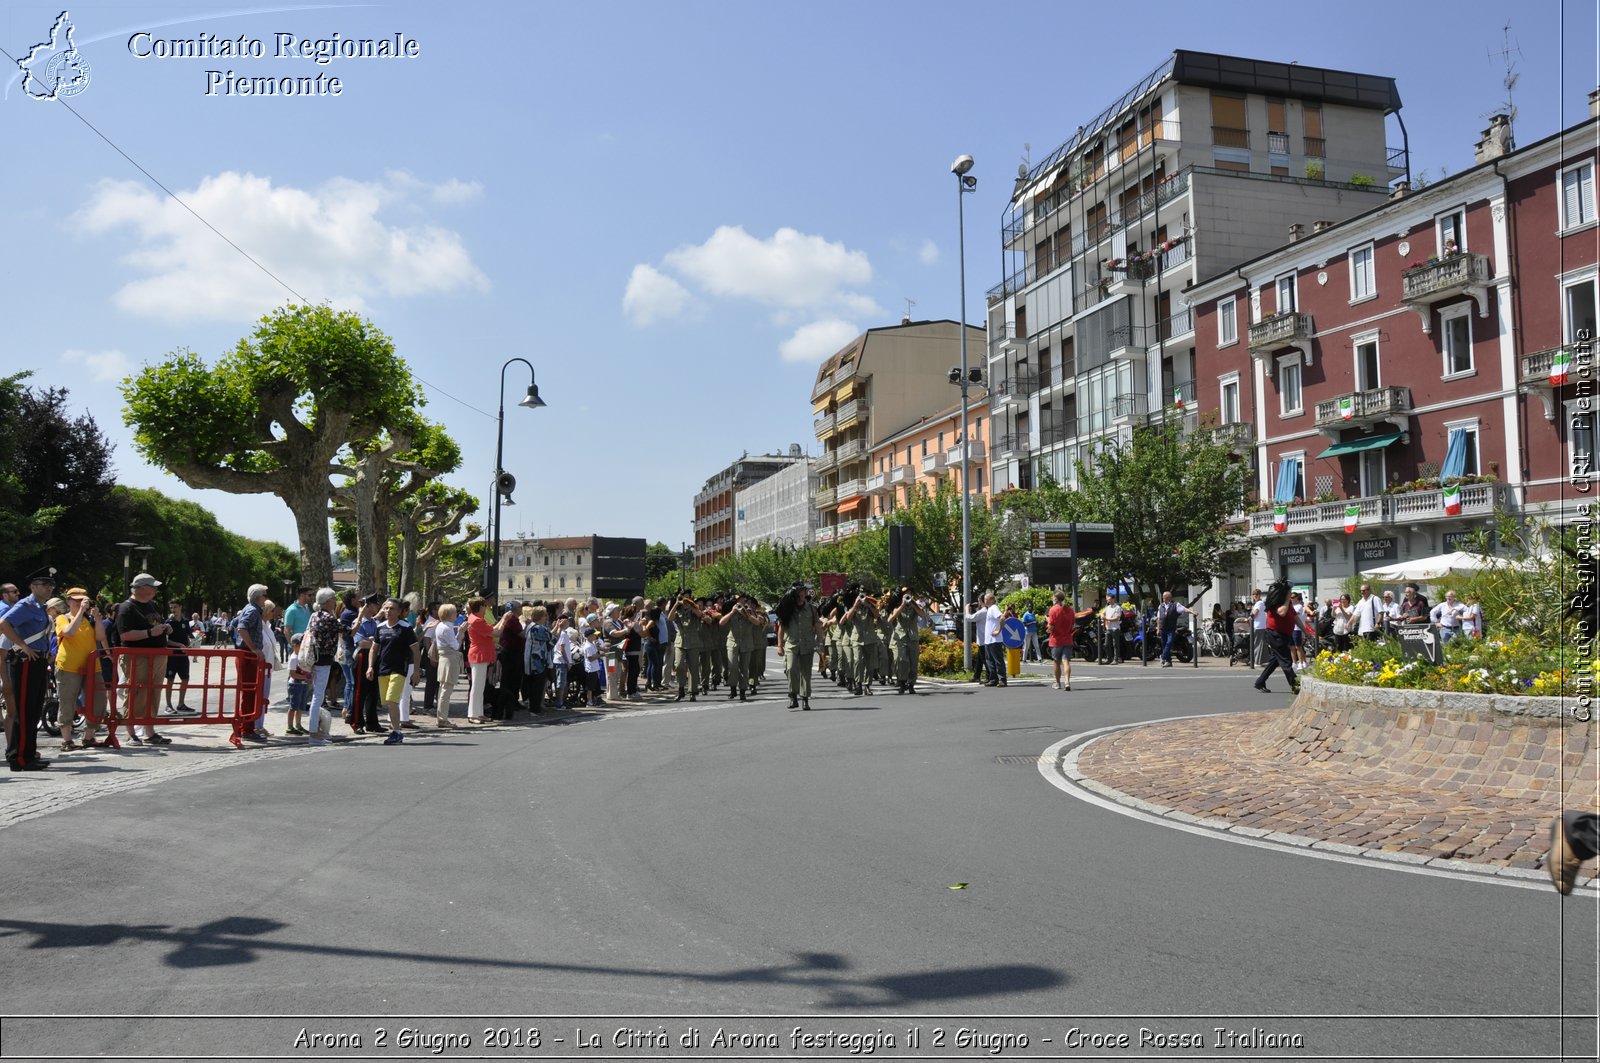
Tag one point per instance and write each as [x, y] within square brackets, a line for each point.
[799, 647]
[871, 644]
[906, 644]
[690, 636]
[738, 643]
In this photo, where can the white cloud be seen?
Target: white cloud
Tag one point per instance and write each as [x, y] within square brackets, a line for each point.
[102, 365]
[814, 342]
[928, 254]
[653, 296]
[791, 269]
[327, 243]
[457, 191]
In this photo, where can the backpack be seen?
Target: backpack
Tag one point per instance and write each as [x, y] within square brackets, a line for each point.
[1277, 594]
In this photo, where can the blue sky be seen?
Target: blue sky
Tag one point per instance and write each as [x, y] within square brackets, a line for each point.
[673, 210]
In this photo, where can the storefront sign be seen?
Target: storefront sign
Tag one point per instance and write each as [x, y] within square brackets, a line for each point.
[1384, 549]
[1297, 555]
[1462, 540]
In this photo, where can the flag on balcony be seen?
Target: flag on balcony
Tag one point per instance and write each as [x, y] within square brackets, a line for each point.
[1352, 517]
[1280, 518]
[1347, 407]
[1177, 397]
[1452, 500]
[1559, 364]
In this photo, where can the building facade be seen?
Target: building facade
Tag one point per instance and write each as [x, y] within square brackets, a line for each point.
[715, 514]
[927, 454]
[1202, 164]
[1397, 378]
[555, 566]
[873, 387]
[780, 510]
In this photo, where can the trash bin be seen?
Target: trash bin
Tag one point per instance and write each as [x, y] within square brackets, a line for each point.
[1013, 662]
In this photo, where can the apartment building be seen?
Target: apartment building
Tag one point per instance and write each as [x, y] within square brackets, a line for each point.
[870, 389]
[715, 511]
[927, 454]
[780, 510]
[549, 567]
[1205, 162]
[1398, 377]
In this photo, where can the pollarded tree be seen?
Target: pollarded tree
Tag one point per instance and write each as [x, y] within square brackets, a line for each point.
[427, 520]
[271, 415]
[380, 475]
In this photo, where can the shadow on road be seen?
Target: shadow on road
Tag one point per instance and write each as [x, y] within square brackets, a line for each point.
[244, 939]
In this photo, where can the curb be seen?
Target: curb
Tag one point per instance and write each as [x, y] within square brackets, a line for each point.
[1059, 766]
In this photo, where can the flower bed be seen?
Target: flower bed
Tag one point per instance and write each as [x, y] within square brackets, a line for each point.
[1518, 665]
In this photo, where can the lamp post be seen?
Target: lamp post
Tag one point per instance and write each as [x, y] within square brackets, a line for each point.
[127, 561]
[504, 483]
[965, 183]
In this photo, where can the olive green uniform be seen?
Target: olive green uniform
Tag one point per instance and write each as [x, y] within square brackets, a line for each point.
[870, 643]
[799, 647]
[690, 639]
[906, 644]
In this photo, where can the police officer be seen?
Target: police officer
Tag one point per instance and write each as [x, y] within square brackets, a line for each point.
[691, 621]
[27, 627]
[798, 627]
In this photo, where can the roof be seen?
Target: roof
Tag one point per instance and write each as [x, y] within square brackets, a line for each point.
[855, 346]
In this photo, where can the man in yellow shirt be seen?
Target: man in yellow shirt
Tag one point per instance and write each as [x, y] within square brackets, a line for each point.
[79, 638]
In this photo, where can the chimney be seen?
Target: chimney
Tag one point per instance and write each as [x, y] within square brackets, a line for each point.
[1496, 140]
[1295, 231]
[1318, 226]
[1594, 104]
[1400, 190]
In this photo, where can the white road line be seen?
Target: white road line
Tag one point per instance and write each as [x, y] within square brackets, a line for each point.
[1058, 765]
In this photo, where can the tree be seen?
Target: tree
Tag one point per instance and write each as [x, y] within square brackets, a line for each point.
[197, 560]
[997, 542]
[381, 476]
[427, 520]
[659, 560]
[271, 416]
[56, 503]
[1169, 495]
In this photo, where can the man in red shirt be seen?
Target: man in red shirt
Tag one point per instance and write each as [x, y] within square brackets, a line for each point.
[1281, 623]
[1061, 621]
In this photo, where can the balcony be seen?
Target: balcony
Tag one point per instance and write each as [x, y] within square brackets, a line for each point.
[875, 521]
[932, 463]
[1010, 445]
[1448, 278]
[825, 536]
[1289, 329]
[1005, 338]
[1014, 389]
[848, 414]
[828, 460]
[902, 474]
[975, 454]
[1535, 376]
[1238, 437]
[1131, 279]
[823, 386]
[847, 528]
[824, 426]
[1323, 517]
[845, 372]
[1411, 507]
[1225, 137]
[877, 483]
[826, 497]
[1128, 409]
[1316, 148]
[1363, 409]
[1128, 342]
[850, 490]
[854, 450]
[1278, 143]
[1404, 507]
[1399, 160]
[1178, 325]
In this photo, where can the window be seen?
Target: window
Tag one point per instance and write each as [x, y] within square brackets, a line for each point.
[1291, 482]
[547, 583]
[1227, 321]
[1461, 449]
[1316, 146]
[579, 559]
[1372, 472]
[1577, 195]
[580, 583]
[1362, 285]
[941, 441]
[563, 583]
[1290, 401]
[1367, 375]
[925, 452]
[1457, 341]
[1452, 229]
[1230, 401]
[978, 472]
[563, 560]
[1228, 126]
[1578, 303]
[1580, 438]
[1286, 293]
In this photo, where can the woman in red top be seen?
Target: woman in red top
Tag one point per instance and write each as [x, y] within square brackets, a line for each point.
[480, 654]
[1061, 621]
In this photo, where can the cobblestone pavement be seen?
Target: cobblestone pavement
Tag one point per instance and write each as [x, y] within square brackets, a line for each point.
[1213, 770]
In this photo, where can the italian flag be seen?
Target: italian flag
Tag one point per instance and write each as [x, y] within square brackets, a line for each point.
[1352, 517]
[1280, 518]
[1177, 397]
[1347, 407]
[1559, 366]
[1452, 500]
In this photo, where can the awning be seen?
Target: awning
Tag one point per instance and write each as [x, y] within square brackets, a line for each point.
[846, 390]
[1356, 446]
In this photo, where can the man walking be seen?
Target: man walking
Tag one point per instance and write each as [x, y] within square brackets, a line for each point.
[1279, 632]
[1167, 623]
[798, 625]
[1062, 623]
[397, 656]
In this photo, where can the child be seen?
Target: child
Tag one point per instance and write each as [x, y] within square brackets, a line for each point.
[594, 666]
[299, 686]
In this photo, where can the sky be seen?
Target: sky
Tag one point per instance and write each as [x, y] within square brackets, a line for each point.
[673, 210]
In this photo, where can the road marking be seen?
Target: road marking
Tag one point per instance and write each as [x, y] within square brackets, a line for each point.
[1058, 765]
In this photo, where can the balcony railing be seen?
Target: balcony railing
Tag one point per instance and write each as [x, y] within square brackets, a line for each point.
[1134, 408]
[1316, 147]
[1399, 159]
[854, 450]
[975, 454]
[825, 535]
[1010, 444]
[824, 426]
[1238, 436]
[902, 474]
[828, 461]
[877, 483]
[1128, 341]
[1014, 388]
[1365, 407]
[1444, 279]
[848, 413]
[1476, 500]
[1058, 430]
[848, 528]
[851, 489]
[1278, 143]
[1227, 137]
[1003, 336]
[1181, 394]
[1179, 324]
[932, 463]
[823, 386]
[1405, 507]
[845, 371]
[1289, 329]
[826, 497]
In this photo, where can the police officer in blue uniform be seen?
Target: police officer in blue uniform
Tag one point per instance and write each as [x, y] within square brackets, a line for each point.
[27, 627]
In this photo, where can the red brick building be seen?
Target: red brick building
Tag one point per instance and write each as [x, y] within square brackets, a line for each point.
[1373, 368]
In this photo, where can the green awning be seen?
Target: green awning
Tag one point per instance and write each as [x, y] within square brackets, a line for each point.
[1356, 446]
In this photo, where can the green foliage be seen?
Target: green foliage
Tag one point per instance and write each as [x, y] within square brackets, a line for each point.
[1039, 599]
[1516, 593]
[938, 656]
[659, 560]
[1169, 496]
[1520, 664]
[197, 560]
[1315, 170]
[998, 544]
[1361, 180]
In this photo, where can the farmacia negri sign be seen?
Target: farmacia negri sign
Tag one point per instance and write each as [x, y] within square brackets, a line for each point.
[319, 50]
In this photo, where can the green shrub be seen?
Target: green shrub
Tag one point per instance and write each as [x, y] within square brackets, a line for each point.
[1039, 599]
[1520, 664]
[1361, 180]
[1315, 170]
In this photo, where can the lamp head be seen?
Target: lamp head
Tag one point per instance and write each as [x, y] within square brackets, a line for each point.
[962, 164]
[955, 375]
[532, 401]
[968, 183]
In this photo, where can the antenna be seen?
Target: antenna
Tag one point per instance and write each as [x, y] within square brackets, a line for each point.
[1509, 52]
[909, 304]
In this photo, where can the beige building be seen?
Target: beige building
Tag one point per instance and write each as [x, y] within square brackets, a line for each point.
[928, 453]
[882, 381]
[562, 567]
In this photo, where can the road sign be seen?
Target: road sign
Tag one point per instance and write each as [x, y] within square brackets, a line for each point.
[1012, 632]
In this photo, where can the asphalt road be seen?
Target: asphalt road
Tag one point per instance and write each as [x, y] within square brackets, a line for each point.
[748, 860]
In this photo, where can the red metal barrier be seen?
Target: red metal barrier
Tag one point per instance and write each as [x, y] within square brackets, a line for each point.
[227, 682]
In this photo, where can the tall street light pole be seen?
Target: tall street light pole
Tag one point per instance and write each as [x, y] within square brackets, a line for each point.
[504, 483]
[965, 183]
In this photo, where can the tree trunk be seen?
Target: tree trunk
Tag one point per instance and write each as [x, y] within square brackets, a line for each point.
[310, 509]
[370, 541]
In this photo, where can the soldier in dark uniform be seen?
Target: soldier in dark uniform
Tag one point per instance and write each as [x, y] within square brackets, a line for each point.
[26, 626]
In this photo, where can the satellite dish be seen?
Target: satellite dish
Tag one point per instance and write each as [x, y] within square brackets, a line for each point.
[1022, 169]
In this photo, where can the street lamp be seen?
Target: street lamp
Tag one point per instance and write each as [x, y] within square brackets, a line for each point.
[504, 482]
[127, 560]
[965, 183]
